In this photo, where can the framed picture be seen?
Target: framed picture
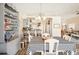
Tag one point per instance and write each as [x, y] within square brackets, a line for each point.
[56, 25]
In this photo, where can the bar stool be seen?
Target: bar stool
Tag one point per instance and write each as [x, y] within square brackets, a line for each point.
[25, 44]
[53, 46]
[22, 45]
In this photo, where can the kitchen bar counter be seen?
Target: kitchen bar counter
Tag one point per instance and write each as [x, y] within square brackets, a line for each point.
[65, 45]
[75, 35]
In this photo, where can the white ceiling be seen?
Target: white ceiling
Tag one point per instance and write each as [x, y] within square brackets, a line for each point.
[47, 9]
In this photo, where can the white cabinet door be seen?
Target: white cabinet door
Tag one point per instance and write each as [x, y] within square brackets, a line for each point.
[1, 22]
[13, 47]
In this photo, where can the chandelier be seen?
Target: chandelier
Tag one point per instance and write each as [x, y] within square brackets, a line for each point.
[40, 13]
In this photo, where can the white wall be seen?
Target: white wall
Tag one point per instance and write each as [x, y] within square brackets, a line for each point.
[74, 26]
[20, 25]
[77, 27]
[71, 21]
[56, 31]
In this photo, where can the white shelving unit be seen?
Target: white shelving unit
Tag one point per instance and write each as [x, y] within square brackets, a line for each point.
[9, 29]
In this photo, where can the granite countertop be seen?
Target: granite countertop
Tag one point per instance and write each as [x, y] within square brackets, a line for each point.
[61, 40]
[65, 45]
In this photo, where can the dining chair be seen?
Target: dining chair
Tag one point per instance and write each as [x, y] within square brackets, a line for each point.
[53, 46]
[45, 36]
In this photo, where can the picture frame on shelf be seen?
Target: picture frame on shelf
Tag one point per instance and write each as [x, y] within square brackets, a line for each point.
[56, 25]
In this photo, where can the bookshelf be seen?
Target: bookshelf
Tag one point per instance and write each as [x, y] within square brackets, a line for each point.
[9, 28]
[11, 22]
